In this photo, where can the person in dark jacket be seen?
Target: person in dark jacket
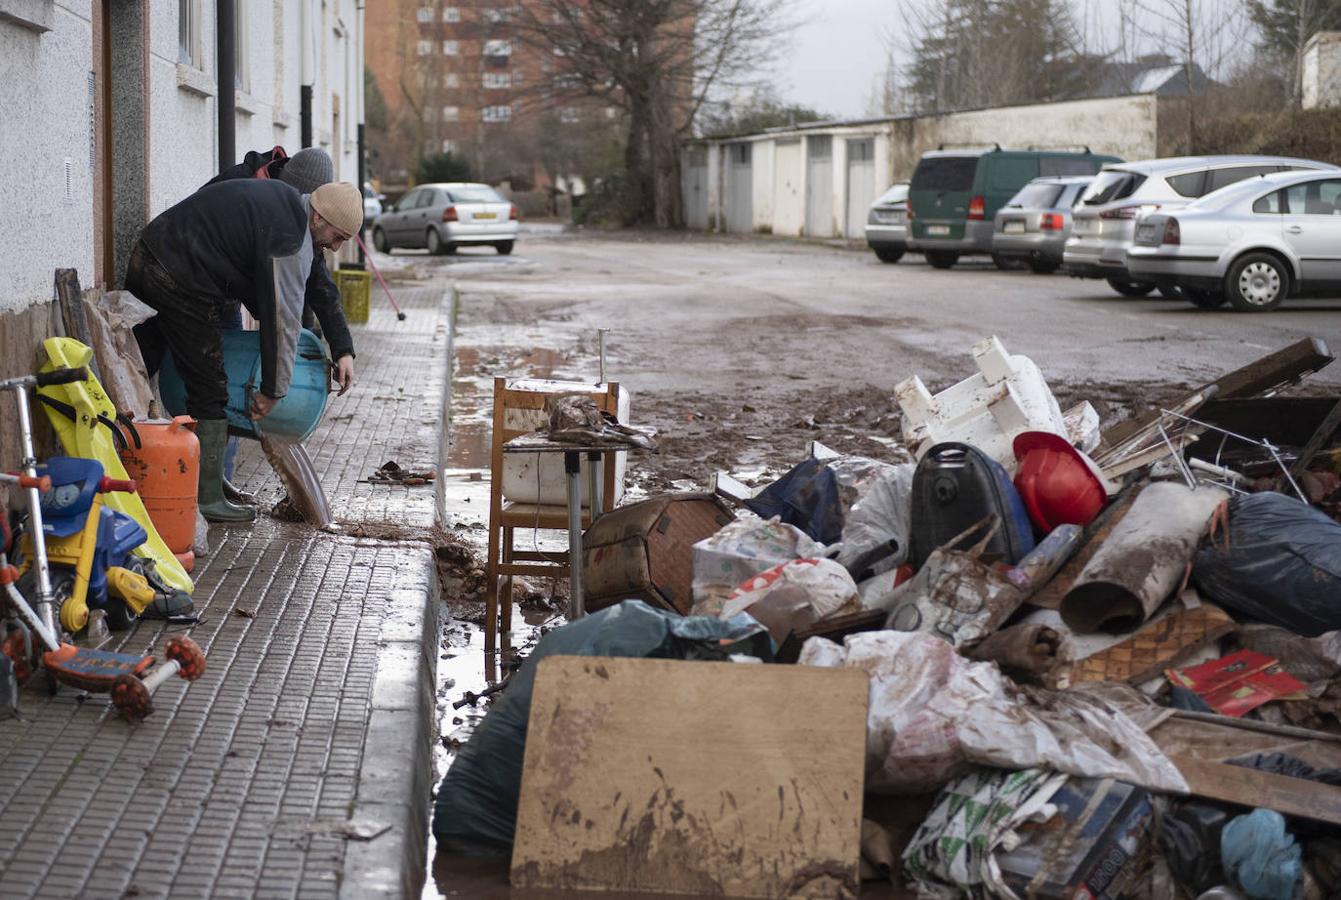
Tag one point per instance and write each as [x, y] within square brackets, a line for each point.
[252, 240]
[305, 171]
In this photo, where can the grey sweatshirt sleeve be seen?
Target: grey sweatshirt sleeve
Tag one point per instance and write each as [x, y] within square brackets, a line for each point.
[288, 275]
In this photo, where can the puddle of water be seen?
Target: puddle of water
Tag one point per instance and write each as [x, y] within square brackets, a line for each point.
[470, 446]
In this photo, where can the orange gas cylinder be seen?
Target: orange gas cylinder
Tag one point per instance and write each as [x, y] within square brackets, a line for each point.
[167, 467]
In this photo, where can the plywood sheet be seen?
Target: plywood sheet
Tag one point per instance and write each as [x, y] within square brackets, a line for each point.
[692, 778]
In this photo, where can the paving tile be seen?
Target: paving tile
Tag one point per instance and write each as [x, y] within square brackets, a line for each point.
[184, 804]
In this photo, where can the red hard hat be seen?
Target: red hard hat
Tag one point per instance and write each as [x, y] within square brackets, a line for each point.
[1058, 484]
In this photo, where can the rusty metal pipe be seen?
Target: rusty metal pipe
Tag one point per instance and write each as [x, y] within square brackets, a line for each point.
[1143, 559]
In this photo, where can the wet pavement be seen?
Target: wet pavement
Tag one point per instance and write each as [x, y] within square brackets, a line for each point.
[314, 715]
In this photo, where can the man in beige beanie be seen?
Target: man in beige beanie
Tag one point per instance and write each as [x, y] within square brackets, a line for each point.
[250, 239]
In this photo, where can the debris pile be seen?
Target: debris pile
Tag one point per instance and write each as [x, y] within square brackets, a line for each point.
[1097, 662]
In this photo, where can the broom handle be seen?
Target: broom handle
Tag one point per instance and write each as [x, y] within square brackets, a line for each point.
[378, 273]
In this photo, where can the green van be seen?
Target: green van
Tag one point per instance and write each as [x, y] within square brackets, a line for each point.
[955, 194]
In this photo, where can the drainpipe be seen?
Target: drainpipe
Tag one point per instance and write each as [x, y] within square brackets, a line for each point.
[226, 63]
[307, 76]
[358, 106]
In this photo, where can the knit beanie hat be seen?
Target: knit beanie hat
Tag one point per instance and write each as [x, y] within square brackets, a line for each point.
[341, 204]
[308, 169]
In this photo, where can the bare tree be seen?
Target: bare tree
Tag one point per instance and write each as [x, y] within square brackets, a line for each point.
[659, 61]
[1206, 36]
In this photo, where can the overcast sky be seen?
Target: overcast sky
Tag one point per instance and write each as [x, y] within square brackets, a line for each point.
[837, 52]
[839, 47]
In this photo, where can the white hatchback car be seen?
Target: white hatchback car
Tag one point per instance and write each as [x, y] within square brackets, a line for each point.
[443, 217]
[1251, 244]
[1104, 221]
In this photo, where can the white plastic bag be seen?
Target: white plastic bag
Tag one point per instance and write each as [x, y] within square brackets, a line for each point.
[741, 550]
[795, 594]
[932, 713]
[880, 513]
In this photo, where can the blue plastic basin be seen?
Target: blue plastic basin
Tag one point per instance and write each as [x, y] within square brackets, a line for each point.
[294, 417]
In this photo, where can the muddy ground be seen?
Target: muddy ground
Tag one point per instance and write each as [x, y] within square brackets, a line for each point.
[742, 351]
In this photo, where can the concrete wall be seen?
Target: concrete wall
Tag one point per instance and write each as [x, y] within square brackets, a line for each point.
[1322, 70]
[1127, 127]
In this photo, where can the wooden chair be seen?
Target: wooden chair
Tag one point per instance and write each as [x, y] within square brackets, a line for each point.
[518, 412]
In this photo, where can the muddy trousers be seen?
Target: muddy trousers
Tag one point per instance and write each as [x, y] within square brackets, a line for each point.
[187, 326]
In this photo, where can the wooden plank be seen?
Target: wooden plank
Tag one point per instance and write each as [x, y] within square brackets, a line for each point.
[1254, 788]
[1320, 438]
[1267, 374]
[692, 778]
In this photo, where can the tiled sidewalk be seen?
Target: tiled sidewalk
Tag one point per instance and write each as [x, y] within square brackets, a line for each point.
[316, 708]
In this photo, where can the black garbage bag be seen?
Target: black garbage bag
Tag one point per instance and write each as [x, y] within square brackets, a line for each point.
[476, 808]
[807, 497]
[1281, 564]
[1189, 838]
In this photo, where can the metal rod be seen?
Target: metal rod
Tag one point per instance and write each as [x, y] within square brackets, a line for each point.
[572, 464]
[45, 600]
[595, 475]
[1177, 455]
[25, 612]
[159, 674]
[1267, 445]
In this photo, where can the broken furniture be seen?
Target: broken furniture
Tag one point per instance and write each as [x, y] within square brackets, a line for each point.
[522, 490]
[1007, 396]
[700, 778]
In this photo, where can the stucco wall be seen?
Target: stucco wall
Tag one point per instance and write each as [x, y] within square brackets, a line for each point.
[163, 120]
[46, 200]
[1321, 74]
[1120, 126]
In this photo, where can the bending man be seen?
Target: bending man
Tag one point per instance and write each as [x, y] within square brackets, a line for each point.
[252, 240]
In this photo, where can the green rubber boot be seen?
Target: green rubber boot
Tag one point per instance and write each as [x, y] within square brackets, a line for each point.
[213, 434]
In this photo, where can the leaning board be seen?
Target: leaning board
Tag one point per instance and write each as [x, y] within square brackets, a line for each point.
[698, 778]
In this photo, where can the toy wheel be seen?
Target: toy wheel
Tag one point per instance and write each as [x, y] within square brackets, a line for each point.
[131, 698]
[119, 615]
[22, 649]
[187, 654]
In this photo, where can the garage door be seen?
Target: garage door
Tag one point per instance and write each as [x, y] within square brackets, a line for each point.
[788, 203]
[696, 188]
[739, 188]
[819, 186]
[860, 184]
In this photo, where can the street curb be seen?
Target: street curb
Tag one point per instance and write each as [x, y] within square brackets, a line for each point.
[394, 790]
[453, 304]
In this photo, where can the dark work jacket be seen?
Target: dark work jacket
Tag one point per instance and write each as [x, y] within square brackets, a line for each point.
[322, 296]
[243, 240]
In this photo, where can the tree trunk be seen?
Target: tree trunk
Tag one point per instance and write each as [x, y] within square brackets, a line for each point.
[663, 142]
[639, 198]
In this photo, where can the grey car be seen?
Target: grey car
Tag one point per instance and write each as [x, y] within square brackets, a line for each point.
[1104, 222]
[1251, 245]
[887, 224]
[1033, 227]
[442, 217]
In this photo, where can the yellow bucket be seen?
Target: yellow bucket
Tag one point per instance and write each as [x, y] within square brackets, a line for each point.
[355, 293]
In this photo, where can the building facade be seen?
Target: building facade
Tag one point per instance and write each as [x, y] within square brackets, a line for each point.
[453, 77]
[110, 113]
[819, 180]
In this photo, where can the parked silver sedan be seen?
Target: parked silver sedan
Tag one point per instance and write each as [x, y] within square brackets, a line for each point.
[1033, 227]
[1105, 219]
[887, 224]
[442, 217]
[1252, 244]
